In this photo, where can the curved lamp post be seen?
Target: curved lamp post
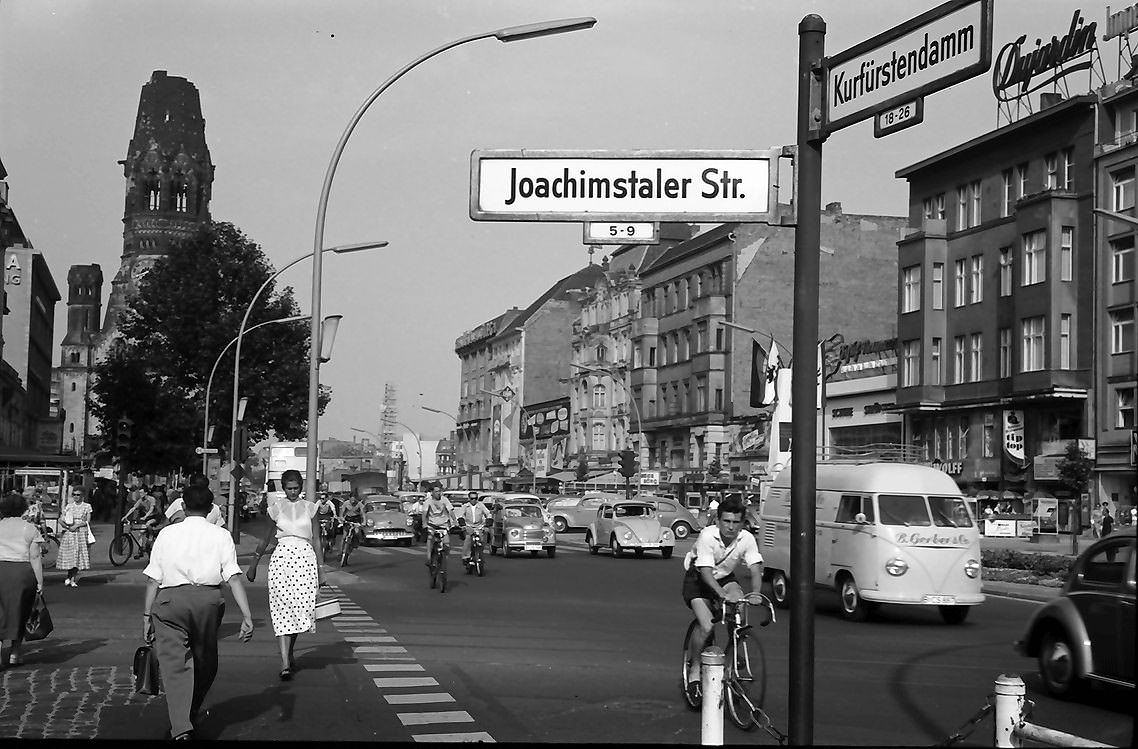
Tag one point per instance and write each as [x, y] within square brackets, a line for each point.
[508, 34]
[315, 353]
[409, 431]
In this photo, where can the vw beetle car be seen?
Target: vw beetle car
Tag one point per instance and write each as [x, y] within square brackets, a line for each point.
[385, 520]
[575, 513]
[629, 524]
[1087, 633]
[672, 515]
[521, 526]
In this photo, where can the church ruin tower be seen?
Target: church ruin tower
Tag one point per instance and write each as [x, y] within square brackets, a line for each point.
[84, 294]
[169, 177]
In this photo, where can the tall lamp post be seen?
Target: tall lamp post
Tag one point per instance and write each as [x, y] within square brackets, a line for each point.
[314, 353]
[508, 34]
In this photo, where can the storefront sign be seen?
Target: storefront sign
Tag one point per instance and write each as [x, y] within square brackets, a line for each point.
[1000, 528]
[649, 478]
[483, 331]
[1122, 22]
[876, 408]
[951, 467]
[13, 276]
[1015, 73]
[1046, 467]
[841, 413]
[1013, 437]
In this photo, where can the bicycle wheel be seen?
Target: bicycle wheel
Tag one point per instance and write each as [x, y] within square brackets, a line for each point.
[122, 549]
[443, 573]
[693, 699]
[745, 680]
[345, 549]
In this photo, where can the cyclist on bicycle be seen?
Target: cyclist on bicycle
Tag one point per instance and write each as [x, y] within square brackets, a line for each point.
[710, 573]
[438, 514]
[150, 515]
[326, 514]
[476, 515]
[352, 511]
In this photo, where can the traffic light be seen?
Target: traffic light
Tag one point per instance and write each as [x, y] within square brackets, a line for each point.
[123, 435]
[243, 443]
[628, 464]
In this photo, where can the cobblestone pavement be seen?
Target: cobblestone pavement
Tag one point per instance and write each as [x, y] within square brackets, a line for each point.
[62, 703]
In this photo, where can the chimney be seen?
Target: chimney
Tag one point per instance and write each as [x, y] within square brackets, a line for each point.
[834, 208]
[1049, 99]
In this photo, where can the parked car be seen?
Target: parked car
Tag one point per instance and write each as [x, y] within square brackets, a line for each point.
[408, 498]
[575, 513]
[673, 516]
[386, 520]
[629, 524]
[1087, 633]
[521, 526]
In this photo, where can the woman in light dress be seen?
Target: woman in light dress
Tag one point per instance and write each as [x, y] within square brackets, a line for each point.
[74, 538]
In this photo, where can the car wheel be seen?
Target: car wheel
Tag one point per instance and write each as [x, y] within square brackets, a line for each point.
[614, 547]
[551, 553]
[682, 530]
[1057, 664]
[593, 548]
[954, 614]
[780, 589]
[533, 553]
[639, 552]
[560, 525]
[854, 607]
[666, 552]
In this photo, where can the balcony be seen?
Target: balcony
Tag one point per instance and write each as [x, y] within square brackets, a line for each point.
[645, 326]
[643, 376]
[709, 361]
[706, 306]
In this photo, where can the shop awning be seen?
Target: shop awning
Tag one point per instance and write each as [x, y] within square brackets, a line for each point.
[563, 476]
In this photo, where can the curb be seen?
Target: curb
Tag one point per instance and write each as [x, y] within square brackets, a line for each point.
[1021, 591]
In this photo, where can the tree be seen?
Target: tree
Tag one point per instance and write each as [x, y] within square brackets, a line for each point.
[188, 308]
[1075, 471]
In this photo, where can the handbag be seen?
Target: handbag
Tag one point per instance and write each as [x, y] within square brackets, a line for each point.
[147, 680]
[39, 623]
[327, 608]
[90, 535]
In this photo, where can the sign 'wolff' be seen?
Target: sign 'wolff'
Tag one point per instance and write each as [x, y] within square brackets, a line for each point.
[623, 185]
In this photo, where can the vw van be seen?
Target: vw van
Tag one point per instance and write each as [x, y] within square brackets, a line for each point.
[885, 533]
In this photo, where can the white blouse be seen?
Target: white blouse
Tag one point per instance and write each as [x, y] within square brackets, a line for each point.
[293, 518]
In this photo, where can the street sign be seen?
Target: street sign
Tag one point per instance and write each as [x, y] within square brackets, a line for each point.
[205, 450]
[238, 472]
[945, 45]
[600, 232]
[627, 186]
[898, 118]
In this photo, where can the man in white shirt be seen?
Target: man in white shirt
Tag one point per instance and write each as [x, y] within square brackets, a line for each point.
[710, 572]
[184, 606]
[476, 515]
[175, 512]
[438, 514]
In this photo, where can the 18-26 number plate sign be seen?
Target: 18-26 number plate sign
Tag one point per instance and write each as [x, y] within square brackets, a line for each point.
[635, 185]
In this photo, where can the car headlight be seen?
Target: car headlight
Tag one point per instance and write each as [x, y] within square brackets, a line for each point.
[627, 535]
[665, 535]
[515, 533]
[408, 522]
[972, 568]
[370, 523]
[896, 566]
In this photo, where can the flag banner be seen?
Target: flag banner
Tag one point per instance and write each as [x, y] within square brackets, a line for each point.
[758, 375]
[774, 364]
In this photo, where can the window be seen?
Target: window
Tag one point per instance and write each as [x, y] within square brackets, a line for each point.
[935, 362]
[938, 286]
[1009, 194]
[651, 356]
[1064, 341]
[600, 399]
[602, 353]
[958, 372]
[687, 343]
[911, 289]
[1034, 258]
[976, 291]
[962, 448]
[1123, 189]
[1021, 173]
[1122, 259]
[1068, 169]
[1052, 163]
[1006, 271]
[718, 399]
[701, 394]
[180, 198]
[600, 440]
[1066, 252]
[1124, 408]
[1033, 332]
[911, 363]
[683, 294]
[976, 352]
[960, 283]
[1122, 331]
[974, 213]
[988, 448]
[962, 208]
[938, 206]
[927, 208]
[152, 196]
[718, 337]
[701, 336]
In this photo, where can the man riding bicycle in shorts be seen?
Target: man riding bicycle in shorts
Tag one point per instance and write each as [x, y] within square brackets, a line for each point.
[326, 516]
[476, 515]
[352, 511]
[438, 514]
[710, 573]
[150, 515]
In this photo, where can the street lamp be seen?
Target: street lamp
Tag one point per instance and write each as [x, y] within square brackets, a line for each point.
[508, 34]
[314, 350]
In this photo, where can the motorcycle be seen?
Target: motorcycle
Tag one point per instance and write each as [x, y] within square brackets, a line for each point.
[476, 563]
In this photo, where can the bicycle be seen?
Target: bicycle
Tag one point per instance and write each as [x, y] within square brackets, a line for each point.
[49, 537]
[350, 542]
[744, 664]
[327, 537]
[123, 546]
[437, 564]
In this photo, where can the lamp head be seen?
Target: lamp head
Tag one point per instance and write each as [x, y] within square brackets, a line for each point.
[345, 248]
[544, 28]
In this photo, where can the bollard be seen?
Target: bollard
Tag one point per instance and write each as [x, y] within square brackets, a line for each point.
[1010, 691]
[711, 663]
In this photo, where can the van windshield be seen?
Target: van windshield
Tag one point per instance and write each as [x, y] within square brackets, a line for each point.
[898, 509]
[950, 512]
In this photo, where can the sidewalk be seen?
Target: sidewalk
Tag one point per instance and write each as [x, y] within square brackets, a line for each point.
[77, 683]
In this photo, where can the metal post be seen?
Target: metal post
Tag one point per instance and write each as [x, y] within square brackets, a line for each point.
[811, 50]
[711, 725]
[1010, 692]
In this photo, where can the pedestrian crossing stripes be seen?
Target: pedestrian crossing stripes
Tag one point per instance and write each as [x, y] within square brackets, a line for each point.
[389, 661]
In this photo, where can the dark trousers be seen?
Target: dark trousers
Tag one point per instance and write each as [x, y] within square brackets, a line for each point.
[186, 619]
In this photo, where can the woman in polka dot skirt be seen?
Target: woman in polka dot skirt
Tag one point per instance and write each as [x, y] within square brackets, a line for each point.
[294, 574]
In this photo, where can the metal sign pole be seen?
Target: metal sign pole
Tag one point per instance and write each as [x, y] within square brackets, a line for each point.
[807, 261]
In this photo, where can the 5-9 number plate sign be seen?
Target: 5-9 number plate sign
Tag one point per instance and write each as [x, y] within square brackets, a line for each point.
[599, 232]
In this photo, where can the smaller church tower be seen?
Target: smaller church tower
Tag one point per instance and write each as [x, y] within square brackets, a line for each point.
[77, 354]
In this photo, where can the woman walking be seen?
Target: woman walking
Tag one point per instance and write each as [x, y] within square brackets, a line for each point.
[74, 551]
[21, 574]
[294, 574]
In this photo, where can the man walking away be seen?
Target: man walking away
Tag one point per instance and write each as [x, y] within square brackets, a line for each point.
[184, 606]
[1107, 522]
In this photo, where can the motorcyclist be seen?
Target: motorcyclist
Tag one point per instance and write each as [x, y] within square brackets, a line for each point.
[475, 514]
[438, 514]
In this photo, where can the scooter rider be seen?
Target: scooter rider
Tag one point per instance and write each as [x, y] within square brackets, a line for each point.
[438, 513]
[476, 515]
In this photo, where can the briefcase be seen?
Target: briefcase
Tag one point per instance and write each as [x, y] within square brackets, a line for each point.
[147, 680]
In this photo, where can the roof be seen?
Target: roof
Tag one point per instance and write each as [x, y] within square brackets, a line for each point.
[584, 278]
[689, 247]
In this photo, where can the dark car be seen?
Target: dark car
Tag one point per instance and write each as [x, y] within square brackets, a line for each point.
[1087, 633]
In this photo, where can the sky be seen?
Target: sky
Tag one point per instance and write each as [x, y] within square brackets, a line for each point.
[279, 81]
